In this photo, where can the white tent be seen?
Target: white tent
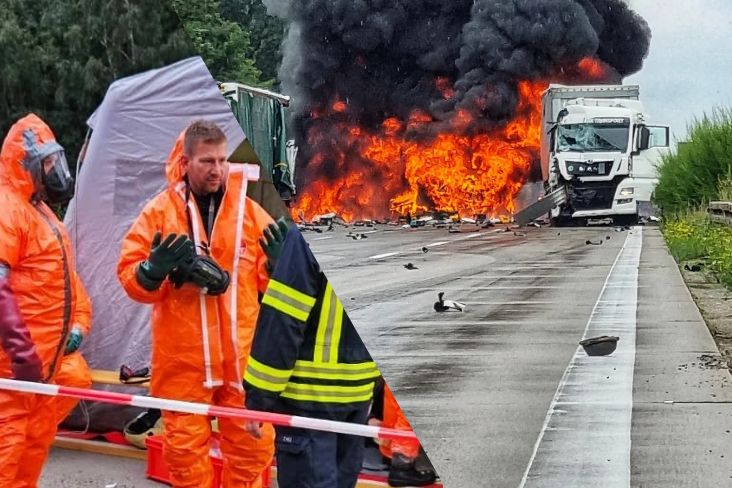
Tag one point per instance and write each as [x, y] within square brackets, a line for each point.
[133, 130]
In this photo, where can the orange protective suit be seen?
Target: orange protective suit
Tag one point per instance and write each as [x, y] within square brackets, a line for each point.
[201, 343]
[35, 247]
[394, 418]
[74, 371]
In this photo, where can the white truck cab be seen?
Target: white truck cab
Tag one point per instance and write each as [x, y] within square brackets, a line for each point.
[599, 152]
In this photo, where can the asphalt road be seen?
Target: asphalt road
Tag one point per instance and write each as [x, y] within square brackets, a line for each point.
[500, 394]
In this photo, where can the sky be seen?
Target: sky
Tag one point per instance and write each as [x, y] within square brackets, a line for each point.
[688, 71]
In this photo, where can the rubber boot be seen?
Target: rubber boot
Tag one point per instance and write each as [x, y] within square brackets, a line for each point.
[403, 473]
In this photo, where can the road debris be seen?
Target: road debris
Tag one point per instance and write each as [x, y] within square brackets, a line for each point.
[519, 234]
[709, 361]
[442, 305]
[356, 237]
[410, 266]
[425, 250]
[593, 243]
[694, 268]
[600, 346]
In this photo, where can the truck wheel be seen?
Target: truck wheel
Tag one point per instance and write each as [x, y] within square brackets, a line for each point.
[625, 219]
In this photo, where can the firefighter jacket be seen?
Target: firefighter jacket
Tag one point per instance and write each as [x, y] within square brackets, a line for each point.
[306, 353]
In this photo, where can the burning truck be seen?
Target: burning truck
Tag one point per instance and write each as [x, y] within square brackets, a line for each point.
[420, 106]
[598, 155]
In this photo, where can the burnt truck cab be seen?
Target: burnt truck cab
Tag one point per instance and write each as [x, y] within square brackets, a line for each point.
[600, 150]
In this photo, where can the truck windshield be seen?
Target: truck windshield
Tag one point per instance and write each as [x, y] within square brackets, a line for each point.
[592, 137]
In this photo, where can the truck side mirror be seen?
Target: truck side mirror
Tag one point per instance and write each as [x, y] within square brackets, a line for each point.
[645, 138]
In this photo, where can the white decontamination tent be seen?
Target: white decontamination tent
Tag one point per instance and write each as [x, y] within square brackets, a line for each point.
[132, 132]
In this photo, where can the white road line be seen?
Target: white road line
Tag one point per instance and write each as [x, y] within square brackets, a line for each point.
[380, 256]
[323, 238]
[441, 243]
[585, 439]
[469, 236]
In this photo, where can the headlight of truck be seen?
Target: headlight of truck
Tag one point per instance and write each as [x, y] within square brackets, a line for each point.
[625, 192]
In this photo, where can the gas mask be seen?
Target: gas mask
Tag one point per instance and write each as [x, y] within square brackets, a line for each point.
[50, 171]
[57, 181]
[203, 272]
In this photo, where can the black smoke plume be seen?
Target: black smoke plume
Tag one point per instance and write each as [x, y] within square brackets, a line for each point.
[383, 58]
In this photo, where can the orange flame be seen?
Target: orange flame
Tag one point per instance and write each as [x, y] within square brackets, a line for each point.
[382, 174]
[445, 87]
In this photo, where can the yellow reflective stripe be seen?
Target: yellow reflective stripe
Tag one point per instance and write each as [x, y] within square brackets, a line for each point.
[285, 308]
[329, 366]
[328, 399]
[268, 370]
[294, 294]
[252, 378]
[335, 338]
[319, 351]
[329, 394]
[288, 300]
[327, 371]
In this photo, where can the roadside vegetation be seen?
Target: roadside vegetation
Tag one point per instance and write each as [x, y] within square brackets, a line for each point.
[700, 171]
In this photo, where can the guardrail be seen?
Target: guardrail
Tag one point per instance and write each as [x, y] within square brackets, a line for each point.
[721, 212]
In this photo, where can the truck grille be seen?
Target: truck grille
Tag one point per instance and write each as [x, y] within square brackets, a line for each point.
[598, 168]
[592, 196]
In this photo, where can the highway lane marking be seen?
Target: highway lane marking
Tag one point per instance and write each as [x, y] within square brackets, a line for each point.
[381, 256]
[470, 236]
[323, 238]
[441, 243]
[585, 439]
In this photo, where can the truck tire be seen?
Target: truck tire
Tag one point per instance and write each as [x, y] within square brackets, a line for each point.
[625, 219]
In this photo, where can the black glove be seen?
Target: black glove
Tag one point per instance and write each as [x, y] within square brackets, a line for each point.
[204, 272]
[273, 240]
[164, 257]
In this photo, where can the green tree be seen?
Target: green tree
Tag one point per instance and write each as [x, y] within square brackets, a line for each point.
[224, 45]
[265, 31]
[59, 58]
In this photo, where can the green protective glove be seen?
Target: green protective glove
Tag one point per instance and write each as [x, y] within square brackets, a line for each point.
[164, 257]
[273, 240]
[74, 341]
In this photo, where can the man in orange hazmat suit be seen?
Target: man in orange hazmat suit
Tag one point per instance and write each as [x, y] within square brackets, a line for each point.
[202, 325]
[401, 453]
[42, 301]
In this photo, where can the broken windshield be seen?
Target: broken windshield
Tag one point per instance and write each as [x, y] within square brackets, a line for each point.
[592, 137]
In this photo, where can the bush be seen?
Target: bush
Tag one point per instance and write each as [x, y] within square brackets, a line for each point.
[693, 236]
[700, 169]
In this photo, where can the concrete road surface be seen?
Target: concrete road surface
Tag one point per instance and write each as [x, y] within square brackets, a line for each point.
[500, 394]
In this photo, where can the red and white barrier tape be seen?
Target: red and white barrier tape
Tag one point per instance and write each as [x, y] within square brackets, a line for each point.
[210, 410]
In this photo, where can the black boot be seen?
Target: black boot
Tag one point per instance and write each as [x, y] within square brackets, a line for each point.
[403, 473]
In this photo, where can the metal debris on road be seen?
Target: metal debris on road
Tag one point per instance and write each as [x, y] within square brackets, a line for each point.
[593, 243]
[425, 250]
[410, 266]
[442, 305]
